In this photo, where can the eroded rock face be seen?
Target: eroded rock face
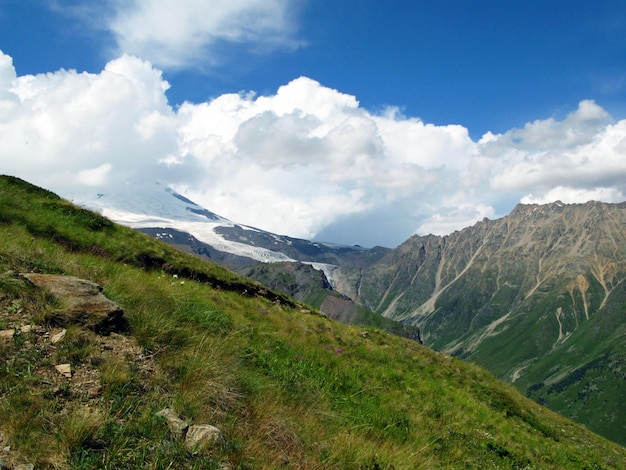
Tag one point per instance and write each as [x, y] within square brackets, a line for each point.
[82, 303]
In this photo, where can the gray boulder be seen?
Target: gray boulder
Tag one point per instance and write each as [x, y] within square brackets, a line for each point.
[81, 303]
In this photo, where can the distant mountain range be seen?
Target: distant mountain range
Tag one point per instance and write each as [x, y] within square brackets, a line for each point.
[157, 206]
[537, 297]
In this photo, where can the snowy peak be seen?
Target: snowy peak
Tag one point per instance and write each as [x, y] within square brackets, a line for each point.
[155, 206]
[143, 206]
[195, 208]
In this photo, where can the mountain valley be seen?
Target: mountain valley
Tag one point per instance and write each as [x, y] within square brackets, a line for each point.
[200, 348]
[536, 297]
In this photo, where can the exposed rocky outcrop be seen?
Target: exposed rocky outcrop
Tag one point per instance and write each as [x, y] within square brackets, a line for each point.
[201, 437]
[178, 427]
[81, 302]
[298, 280]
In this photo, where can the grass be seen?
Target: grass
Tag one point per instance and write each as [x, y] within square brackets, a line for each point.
[287, 389]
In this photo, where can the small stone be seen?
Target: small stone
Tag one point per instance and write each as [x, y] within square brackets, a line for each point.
[94, 392]
[24, 466]
[202, 436]
[177, 426]
[58, 337]
[64, 369]
[7, 333]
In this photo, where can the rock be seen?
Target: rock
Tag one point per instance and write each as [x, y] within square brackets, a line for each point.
[58, 337]
[6, 334]
[202, 436]
[197, 437]
[64, 369]
[24, 466]
[177, 426]
[82, 303]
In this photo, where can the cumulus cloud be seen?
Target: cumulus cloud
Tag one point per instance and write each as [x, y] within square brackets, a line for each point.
[451, 218]
[7, 76]
[314, 155]
[302, 161]
[68, 128]
[171, 33]
[583, 152]
[570, 195]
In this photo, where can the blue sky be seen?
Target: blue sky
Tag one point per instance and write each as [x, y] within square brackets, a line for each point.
[394, 117]
[488, 65]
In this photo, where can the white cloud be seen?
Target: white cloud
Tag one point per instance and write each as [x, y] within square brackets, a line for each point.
[7, 76]
[454, 218]
[584, 151]
[300, 161]
[576, 195]
[427, 145]
[60, 124]
[95, 176]
[322, 156]
[171, 33]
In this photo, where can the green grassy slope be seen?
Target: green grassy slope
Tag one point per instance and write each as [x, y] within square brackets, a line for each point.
[288, 389]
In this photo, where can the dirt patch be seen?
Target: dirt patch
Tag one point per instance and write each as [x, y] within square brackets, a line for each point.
[72, 363]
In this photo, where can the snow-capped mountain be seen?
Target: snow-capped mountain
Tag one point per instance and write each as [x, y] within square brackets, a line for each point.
[157, 206]
[141, 207]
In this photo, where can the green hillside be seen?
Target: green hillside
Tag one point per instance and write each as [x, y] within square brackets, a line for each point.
[287, 388]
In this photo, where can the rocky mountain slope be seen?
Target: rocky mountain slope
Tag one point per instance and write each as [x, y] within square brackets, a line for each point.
[537, 297]
[201, 350]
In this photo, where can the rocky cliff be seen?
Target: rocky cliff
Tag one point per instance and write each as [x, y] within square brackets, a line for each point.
[538, 297]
